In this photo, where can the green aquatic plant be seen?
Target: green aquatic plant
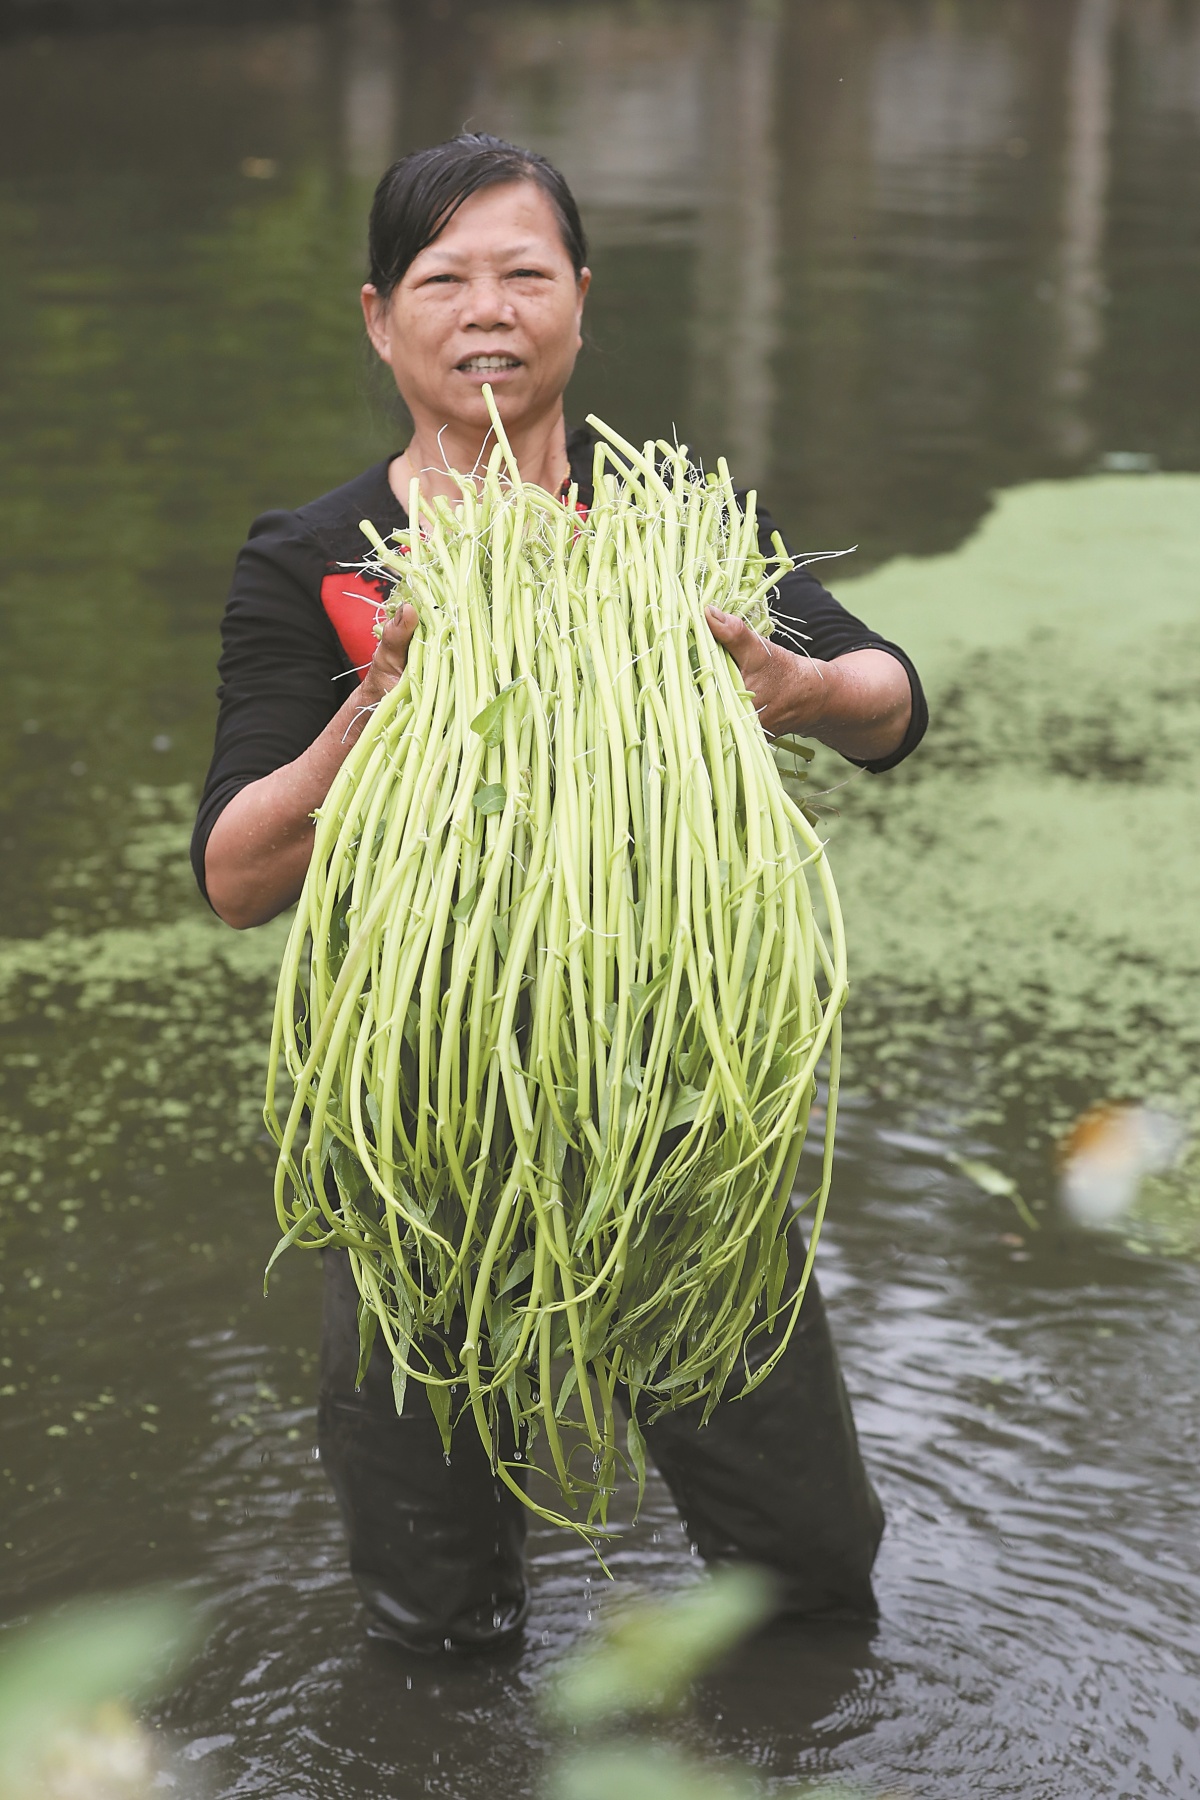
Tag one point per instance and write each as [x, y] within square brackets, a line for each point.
[556, 993]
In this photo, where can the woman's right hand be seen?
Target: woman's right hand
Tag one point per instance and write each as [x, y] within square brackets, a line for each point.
[259, 849]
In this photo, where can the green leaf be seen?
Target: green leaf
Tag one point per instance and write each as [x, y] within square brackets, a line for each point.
[287, 1240]
[489, 724]
[520, 1270]
[519, 1394]
[684, 1107]
[464, 907]
[595, 1332]
[368, 1324]
[439, 1406]
[776, 1277]
[985, 1176]
[753, 951]
[347, 1170]
[994, 1181]
[635, 1443]
[490, 799]
[650, 1653]
[338, 941]
[500, 933]
[598, 1199]
[639, 993]
[569, 1383]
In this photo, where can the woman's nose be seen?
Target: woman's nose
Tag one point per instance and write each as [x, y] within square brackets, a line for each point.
[487, 305]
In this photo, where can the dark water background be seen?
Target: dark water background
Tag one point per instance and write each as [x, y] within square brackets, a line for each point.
[890, 255]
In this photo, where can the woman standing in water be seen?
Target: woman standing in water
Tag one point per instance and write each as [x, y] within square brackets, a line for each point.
[478, 275]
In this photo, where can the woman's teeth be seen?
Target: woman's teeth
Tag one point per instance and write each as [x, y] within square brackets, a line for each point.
[487, 365]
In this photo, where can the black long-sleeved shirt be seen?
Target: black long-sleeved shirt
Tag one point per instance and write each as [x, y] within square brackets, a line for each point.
[297, 632]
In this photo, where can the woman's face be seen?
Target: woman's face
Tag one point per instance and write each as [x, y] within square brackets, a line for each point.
[493, 299]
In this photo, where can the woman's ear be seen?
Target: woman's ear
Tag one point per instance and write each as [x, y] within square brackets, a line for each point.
[582, 285]
[375, 318]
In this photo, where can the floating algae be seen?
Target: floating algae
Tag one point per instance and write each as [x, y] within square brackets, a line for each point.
[1022, 896]
[141, 1039]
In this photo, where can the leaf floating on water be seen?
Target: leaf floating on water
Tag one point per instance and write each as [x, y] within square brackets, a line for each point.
[985, 1175]
[994, 1181]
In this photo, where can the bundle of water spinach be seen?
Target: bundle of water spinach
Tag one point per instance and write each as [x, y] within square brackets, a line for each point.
[556, 992]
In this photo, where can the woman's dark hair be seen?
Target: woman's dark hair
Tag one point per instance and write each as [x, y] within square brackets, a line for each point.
[420, 194]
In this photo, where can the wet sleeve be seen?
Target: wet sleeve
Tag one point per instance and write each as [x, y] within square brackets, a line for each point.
[808, 619]
[282, 671]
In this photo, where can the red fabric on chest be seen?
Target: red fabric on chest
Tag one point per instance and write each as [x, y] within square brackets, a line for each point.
[352, 605]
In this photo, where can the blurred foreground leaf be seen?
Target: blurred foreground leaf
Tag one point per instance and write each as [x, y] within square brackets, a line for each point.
[59, 1673]
[648, 1773]
[651, 1651]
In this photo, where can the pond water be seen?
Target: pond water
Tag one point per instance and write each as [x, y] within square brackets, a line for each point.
[896, 258]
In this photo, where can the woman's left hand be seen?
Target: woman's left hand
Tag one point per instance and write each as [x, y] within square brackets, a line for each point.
[860, 704]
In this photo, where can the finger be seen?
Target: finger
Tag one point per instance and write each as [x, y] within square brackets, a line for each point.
[733, 634]
[398, 632]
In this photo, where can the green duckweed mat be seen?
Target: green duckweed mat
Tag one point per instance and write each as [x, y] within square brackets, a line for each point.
[1023, 897]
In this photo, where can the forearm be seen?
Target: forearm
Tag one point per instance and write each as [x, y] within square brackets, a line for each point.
[259, 849]
[860, 704]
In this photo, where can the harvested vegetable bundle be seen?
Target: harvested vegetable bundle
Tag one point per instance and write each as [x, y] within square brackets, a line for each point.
[556, 993]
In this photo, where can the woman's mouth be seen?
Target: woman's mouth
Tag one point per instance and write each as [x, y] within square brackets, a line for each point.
[487, 365]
